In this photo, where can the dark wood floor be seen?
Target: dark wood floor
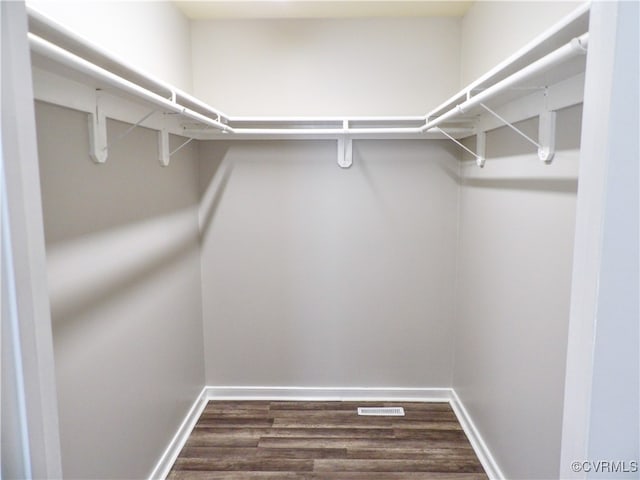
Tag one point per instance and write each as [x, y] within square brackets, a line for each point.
[328, 441]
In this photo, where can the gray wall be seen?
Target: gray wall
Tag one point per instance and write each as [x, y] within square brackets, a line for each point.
[313, 275]
[514, 276]
[124, 279]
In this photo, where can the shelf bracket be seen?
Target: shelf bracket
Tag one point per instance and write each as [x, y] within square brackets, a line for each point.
[345, 148]
[546, 133]
[547, 136]
[98, 146]
[164, 152]
[127, 131]
[98, 133]
[184, 144]
[164, 155]
[481, 146]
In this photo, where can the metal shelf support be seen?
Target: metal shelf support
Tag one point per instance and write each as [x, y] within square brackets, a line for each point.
[163, 147]
[546, 133]
[345, 147]
[164, 152]
[481, 146]
[98, 144]
[98, 134]
[547, 136]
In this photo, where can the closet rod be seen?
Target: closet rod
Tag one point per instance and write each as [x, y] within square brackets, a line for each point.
[50, 30]
[329, 134]
[63, 57]
[332, 118]
[327, 131]
[577, 46]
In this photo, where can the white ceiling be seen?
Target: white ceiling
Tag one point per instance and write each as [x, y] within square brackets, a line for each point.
[215, 9]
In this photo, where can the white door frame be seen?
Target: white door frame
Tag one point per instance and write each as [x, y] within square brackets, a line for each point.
[24, 264]
[608, 131]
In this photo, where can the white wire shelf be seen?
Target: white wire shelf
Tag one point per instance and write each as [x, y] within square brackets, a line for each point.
[550, 61]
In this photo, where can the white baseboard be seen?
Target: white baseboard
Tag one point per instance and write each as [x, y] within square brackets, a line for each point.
[329, 393]
[172, 451]
[479, 446]
[381, 394]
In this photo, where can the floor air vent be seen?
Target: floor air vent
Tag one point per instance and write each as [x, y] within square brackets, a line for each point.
[381, 411]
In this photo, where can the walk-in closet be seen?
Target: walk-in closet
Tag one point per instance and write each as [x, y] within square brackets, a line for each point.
[320, 240]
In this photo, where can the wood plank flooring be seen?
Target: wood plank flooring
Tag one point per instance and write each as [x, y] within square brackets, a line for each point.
[283, 440]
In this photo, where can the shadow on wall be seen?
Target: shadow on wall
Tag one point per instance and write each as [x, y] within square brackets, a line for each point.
[215, 172]
[311, 267]
[504, 147]
[449, 168]
[556, 185]
[122, 259]
[83, 198]
[110, 228]
[504, 142]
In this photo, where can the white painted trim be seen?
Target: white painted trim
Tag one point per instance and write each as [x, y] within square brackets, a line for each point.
[380, 394]
[587, 247]
[329, 393]
[168, 458]
[477, 442]
[24, 224]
